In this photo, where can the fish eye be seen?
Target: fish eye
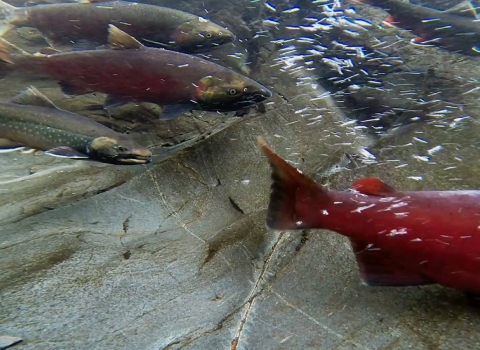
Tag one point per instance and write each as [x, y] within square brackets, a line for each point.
[122, 149]
[220, 33]
[245, 89]
[208, 35]
[232, 91]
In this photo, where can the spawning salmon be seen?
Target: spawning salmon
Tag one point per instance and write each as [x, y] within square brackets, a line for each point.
[88, 21]
[400, 238]
[456, 29]
[133, 72]
[33, 121]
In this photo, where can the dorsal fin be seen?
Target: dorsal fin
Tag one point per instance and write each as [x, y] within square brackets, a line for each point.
[465, 9]
[374, 187]
[120, 40]
[49, 51]
[31, 96]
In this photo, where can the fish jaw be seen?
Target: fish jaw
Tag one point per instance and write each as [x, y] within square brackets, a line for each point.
[118, 150]
[132, 160]
[200, 35]
[229, 94]
[137, 155]
[126, 159]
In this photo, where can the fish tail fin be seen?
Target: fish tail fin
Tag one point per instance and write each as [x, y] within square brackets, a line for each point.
[288, 184]
[8, 52]
[8, 16]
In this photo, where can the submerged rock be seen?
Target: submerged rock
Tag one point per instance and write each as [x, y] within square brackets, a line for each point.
[176, 254]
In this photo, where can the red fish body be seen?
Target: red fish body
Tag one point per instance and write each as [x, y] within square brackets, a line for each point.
[456, 29]
[399, 238]
[156, 25]
[133, 72]
[145, 75]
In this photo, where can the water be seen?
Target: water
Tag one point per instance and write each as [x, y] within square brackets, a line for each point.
[175, 253]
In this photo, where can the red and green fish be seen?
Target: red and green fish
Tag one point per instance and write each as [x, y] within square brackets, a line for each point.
[400, 238]
[456, 29]
[133, 72]
[31, 120]
[88, 21]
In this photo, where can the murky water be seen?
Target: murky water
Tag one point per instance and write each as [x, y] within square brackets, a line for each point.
[134, 196]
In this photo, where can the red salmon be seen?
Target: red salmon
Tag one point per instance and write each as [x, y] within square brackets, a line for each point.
[154, 25]
[132, 72]
[456, 29]
[399, 238]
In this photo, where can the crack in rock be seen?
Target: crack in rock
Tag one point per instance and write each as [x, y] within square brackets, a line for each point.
[189, 338]
[256, 291]
[318, 323]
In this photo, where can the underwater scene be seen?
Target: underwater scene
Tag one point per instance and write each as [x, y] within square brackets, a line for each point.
[240, 174]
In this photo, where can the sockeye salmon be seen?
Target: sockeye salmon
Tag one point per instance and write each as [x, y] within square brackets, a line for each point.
[154, 25]
[399, 238]
[33, 121]
[456, 29]
[132, 72]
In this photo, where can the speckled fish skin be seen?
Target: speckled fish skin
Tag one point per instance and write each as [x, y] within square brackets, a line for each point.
[174, 29]
[44, 128]
[148, 74]
[454, 32]
[399, 238]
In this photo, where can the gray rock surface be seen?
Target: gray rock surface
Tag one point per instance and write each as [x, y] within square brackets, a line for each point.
[176, 255]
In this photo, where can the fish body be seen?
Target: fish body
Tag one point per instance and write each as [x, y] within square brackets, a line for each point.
[171, 79]
[34, 121]
[456, 29]
[399, 238]
[155, 25]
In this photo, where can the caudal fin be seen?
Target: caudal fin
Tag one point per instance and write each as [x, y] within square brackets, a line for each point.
[288, 184]
[9, 52]
[8, 14]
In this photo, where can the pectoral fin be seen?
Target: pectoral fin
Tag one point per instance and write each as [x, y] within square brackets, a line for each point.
[90, 1]
[73, 90]
[66, 152]
[115, 101]
[48, 51]
[174, 111]
[31, 96]
[120, 40]
[378, 269]
[7, 146]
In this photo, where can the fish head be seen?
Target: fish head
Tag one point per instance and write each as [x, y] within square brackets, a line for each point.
[120, 150]
[230, 93]
[200, 34]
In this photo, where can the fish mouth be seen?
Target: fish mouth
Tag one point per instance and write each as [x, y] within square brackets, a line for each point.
[222, 37]
[263, 93]
[257, 97]
[132, 159]
[206, 46]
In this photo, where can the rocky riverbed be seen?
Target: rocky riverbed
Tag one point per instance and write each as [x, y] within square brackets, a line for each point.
[175, 255]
